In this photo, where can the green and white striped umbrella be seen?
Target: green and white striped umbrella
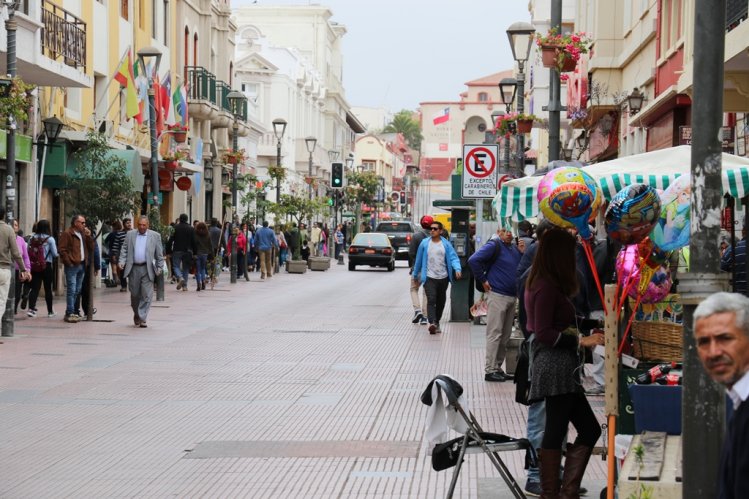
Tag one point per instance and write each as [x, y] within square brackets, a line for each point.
[517, 199]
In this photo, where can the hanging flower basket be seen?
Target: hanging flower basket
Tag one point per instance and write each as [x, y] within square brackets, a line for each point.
[180, 137]
[524, 126]
[171, 165]
[562, 51]
[549, 56]
[231, 160]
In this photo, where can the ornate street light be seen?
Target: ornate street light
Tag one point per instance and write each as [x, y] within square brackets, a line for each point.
[507, 89]
[520, 35]
[310, 142]
[279, 128]
[236, 100]
[634, 101]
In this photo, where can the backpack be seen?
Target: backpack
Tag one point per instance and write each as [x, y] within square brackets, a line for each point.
[497, 246]
[36, 254]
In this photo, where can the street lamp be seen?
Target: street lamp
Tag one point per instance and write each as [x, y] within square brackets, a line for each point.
[52, 128]
[634, 101]
[520, 35]
[310, 142]
[236, 99]
[279, 128]
[145, 55]
[10, 191]
[507, 89]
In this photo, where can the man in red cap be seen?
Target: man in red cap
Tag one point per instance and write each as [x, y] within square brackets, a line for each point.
[419, 308]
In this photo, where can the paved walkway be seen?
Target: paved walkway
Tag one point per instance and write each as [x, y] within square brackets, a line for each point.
[298, 386]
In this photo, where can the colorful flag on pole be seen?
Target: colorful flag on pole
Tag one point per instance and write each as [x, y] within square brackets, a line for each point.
[176, 98]
[183, 104]
[124, 77]
[166, 99]
[442, 117]
[142, 85]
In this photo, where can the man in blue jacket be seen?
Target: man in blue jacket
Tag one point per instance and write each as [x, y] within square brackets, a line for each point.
[494, 267]
[265, 240]
[435, 259]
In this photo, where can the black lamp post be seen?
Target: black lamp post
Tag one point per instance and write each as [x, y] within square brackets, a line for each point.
[279, 128]
[10, 191]
[52, 128]
[520, 35]
[236, 99]
[634, 101]
[507, 89]
[145, 55]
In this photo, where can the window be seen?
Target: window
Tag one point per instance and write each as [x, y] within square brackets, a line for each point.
[125, 9]
[670, 25]
[483, 97]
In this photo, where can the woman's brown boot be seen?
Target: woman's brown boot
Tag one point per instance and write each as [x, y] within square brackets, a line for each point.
[549, 461]
[574, 469]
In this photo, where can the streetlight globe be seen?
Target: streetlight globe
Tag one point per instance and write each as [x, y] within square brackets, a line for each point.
[507, 89]
[52, 127]
[279, 128]
[521, 38]
[145, 55]
[236, 99]
[311, 142]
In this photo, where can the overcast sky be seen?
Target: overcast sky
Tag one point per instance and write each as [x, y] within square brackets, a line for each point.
[398, 53]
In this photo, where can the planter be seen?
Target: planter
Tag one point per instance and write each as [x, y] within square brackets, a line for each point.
[549, 56]
[569, 64]
[171, 165]
[231, 161]
[321, 263]
[524, 126]
[180, 137]
[296, 266]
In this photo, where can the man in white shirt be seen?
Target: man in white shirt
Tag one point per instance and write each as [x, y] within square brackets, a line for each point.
[142, 259]
[721, 331]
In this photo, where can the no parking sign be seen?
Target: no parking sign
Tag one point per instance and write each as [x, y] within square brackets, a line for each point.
[480, 171]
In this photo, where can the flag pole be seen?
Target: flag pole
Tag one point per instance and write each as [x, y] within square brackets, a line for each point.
[106, 88]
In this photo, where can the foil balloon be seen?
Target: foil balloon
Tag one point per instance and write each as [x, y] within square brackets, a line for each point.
[570, 203]
[651, 258]
[567, 174]
[627, 269]
[672, 229]
[632, 213]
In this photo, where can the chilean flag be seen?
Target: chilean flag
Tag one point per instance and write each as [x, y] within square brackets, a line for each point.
[442, 117]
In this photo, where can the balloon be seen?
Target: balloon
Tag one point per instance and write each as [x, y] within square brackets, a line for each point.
[632, 213]
[567, 174]
[672, 228]
[658, 281]
[570, 202]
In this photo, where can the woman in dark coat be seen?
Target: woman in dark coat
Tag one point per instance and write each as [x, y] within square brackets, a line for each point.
[557, 363]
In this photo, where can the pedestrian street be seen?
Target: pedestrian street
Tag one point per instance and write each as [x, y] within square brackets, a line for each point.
[298, 386]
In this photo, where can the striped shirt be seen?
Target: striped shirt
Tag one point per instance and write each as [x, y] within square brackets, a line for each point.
[116, 239]
[740, 265]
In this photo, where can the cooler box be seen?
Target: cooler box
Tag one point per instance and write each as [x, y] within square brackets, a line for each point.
[657, 408]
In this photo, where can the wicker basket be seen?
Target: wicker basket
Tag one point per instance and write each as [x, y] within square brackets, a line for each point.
[658, 341]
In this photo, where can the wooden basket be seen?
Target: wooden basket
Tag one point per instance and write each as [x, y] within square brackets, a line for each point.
[658, 341]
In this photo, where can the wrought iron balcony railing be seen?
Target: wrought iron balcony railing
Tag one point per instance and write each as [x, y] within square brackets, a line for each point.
[63, 35]
[201, 84]
[736, 12]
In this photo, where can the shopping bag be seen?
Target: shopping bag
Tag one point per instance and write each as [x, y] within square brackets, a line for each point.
[480, 308]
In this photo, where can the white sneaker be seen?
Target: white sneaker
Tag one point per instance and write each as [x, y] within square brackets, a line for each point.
[31, 313]
[51, 315]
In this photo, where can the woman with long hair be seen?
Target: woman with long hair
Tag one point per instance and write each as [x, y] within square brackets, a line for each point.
[20, 285]
[43, 236]
[205, 249]
[557, 363]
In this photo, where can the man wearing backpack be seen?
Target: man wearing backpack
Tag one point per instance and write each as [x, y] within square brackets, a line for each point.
[493, 267]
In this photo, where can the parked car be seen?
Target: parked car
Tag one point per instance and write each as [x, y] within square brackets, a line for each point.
[400, 234]
[373, 249]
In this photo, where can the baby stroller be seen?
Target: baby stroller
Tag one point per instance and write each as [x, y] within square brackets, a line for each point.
[453, 413]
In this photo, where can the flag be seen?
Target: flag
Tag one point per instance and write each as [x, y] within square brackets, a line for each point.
[176, 97]
[158, 107]
[166, 99]
[183, 104]
[124, 77]
[442, 117]
[142, 85]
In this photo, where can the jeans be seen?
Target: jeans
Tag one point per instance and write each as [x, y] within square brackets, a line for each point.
[200, 266]
[181, 261]
[436, 291]
[73, 282]
[535, 435]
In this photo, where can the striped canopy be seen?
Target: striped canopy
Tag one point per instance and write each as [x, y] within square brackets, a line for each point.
[517, 199]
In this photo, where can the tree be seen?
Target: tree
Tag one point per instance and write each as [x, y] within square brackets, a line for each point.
[101, 189]
[362, 188]
[404, 123]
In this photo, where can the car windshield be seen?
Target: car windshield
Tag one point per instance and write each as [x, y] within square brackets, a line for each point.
[394, 227]
[370, 239]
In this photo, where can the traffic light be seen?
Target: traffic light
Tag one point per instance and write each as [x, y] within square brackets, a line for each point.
[337, 175]
[403, 197]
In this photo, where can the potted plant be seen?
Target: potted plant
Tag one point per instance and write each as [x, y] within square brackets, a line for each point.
[235, 157]
[525, 122]
[505, 124]
[562, 51]
[16, 100]
[179, 132]
[172, 158]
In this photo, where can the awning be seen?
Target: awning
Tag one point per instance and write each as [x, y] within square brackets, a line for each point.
[517, 199]
[61, 163]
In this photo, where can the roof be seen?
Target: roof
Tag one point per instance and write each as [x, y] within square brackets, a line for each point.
[492, 79]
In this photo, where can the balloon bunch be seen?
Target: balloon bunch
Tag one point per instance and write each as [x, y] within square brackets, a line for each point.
[568, 197]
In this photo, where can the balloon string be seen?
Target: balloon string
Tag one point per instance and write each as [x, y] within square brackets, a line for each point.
[594, 271]
[628, 285]
[629, 324]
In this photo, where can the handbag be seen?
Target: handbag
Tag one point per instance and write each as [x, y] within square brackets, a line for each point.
[480, 308]
[522, 383]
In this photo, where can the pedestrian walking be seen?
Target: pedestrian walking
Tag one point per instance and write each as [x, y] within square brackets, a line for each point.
[339, 239]
[21, 286]
[494, 267]
[182, 245]
[721, 332]
[555, 372]
[419, 306]
[435, 263]
[205, 250]
[266, 242]
[114, 241]
[295, 242]
[42, 270]
[75, 248]
[241, 248]
[316, 239]
[142, 259]
[9, 253]
[83, 300]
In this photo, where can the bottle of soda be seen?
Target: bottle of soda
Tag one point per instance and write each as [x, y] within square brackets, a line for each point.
[656, 372]
[672, 379]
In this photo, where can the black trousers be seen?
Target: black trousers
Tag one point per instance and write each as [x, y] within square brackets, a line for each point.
[37, 279]
[436, 290]
[561, 410]
[21, 289]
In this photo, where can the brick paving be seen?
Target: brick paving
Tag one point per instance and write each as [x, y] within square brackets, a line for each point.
[297, 386]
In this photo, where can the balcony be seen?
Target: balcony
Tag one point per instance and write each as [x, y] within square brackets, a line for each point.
[50, 46]
[201, 93]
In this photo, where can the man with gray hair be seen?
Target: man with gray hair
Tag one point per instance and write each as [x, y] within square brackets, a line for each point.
[721, 331]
